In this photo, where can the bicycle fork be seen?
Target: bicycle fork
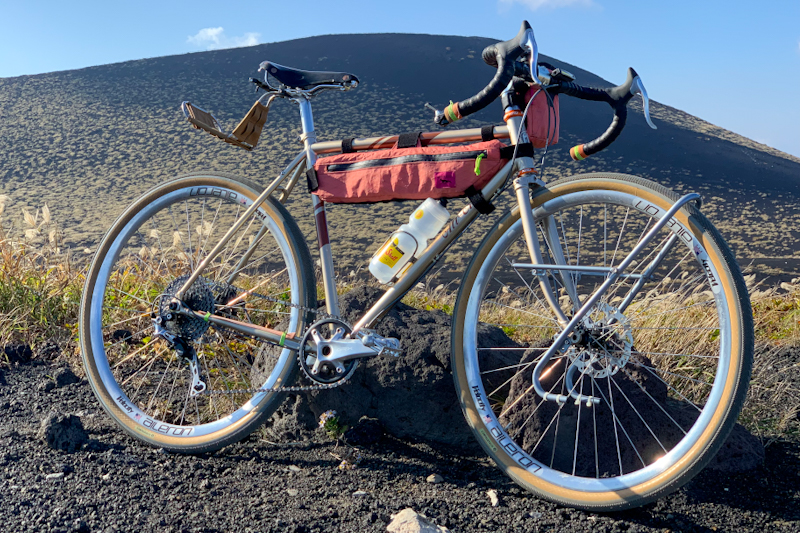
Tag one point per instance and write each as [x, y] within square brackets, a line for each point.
[522, 184]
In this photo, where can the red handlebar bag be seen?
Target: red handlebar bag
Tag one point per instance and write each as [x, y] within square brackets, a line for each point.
[413, 173]
[540, 117]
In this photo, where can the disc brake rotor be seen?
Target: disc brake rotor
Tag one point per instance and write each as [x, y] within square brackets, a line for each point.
[606, 344]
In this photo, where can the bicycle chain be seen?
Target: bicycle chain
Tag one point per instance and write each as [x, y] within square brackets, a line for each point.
[294, 388]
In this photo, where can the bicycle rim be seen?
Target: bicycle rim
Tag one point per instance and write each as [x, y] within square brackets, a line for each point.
[138, 377]
[669, 365]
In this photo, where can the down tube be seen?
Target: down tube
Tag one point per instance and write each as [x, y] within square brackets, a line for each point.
[442, 241]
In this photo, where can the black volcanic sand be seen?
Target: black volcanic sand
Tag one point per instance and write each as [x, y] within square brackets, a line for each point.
[88, 142]
[113, 483]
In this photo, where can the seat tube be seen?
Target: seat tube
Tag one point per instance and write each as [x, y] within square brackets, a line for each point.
[309, 137]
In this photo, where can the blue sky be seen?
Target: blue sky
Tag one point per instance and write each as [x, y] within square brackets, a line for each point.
[733, 63]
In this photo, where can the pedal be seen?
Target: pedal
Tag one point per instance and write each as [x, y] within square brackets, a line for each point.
[384, 345]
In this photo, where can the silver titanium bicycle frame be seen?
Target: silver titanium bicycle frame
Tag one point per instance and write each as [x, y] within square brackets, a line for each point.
[524, 179]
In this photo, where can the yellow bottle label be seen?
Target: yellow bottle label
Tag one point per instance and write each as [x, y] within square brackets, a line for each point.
[390, 254]
[419, 214]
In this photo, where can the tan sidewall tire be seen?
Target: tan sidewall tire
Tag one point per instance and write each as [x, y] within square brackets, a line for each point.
[735, 385]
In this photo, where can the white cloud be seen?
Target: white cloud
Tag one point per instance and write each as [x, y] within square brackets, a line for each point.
[547, 4]
[215, 39]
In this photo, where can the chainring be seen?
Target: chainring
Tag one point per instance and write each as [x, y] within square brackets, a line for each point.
[325, 373]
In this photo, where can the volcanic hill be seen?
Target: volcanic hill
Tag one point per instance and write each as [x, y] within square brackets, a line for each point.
[87, 142]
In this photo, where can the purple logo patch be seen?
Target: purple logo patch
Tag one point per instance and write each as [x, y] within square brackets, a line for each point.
[445, 180]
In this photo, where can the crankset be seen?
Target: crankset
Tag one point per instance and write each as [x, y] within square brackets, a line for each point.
[317, 364]
[335, 351]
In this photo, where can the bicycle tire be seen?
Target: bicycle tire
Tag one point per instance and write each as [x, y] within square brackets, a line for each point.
[147, 253]
[681, 353]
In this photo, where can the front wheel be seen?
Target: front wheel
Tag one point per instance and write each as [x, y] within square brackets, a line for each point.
[667, 350]
[132, 343]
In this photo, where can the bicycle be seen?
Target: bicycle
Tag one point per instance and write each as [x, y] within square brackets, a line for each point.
[602, 337]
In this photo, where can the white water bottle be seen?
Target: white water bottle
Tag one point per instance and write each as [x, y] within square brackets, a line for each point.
[409, 240]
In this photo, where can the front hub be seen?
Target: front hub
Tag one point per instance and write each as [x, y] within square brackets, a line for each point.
[605, 343]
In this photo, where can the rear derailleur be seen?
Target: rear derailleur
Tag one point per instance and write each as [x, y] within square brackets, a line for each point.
[185, 351]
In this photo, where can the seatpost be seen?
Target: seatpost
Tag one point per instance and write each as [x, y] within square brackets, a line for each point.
[309, 137]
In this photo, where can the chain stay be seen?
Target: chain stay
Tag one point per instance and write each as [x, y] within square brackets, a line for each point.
[294, 388]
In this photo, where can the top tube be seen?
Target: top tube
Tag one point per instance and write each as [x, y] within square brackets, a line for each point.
[427, 138]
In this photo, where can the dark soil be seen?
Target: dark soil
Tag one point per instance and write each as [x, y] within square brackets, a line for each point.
[113, 483]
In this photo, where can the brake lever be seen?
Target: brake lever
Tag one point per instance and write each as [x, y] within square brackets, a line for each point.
[638, 88]
[438, 116]
[529, 44]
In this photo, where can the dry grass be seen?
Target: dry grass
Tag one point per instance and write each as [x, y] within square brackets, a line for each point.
[40, 290]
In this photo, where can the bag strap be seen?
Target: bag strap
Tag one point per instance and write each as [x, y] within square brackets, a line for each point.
[347, 145]
[487, 133]
[408, 140]
[311, 179]
[524, 150]
[477, 200]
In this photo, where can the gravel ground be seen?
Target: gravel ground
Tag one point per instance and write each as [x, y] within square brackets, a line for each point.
[112, 483]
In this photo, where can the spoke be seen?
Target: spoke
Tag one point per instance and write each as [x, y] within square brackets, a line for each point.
[180, 239]
[680, 355]
[189, 231]
[521, 311]
[211, 401]
[523, 348]
[229, 260]
[211, 227]
[501, 324]
[639, 316]
[135, 317]
[150, 364]
[649, 429]
[130, 356]
[158, 387]
[236, 364]
[243, 296]
[675, 328]
[594, 423]
[533, 413]
[533, 292]
[617, 422]
[681, 376]
[621, 232]
[147, 364]
[504, 368]
[673, 389]
[235, 272]
[131, 295]
[126, 339]
[172, 389]
[555, 418]
[555, 360]
[577, 430]
[630, 378]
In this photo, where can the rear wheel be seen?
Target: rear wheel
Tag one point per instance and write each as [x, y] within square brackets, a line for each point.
[262, 276]
[670, 361]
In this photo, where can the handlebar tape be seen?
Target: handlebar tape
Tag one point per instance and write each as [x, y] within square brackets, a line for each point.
[501, 55]
[617, 97]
